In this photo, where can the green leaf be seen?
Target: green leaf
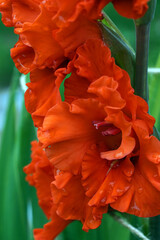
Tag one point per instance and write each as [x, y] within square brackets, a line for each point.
[21, 157]
[154, 228]
[105, 231]
[17, 197]
[6, 152]
[154, 95]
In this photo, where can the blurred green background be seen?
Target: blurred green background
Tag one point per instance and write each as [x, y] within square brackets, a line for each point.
[19, 211]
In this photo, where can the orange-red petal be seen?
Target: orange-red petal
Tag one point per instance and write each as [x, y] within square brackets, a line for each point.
[38, 35]
[76, 33]
[69, 127]
[128, 142]
[132, 8]
[142, 199]
[72, 204]
[70, 12]
[23, 57]
[116, 182]
[94, 170]
[106, 90]
[40, 174]
[52, 229]
[43, 93]
[6, 11]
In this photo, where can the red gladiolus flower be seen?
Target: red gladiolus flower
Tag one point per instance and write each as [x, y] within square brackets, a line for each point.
[98, 142]
[104, 134]
[108, 149]
[122, 183]
[41, 42]
[49, 31]
[37, 37]
[64, 12]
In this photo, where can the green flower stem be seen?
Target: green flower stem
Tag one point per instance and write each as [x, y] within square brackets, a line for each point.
[142, 50]
[141, 83]
[141, 71]
[149, 16]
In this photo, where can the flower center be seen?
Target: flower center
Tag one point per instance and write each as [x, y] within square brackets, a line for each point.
[108, 137]
[110, 131]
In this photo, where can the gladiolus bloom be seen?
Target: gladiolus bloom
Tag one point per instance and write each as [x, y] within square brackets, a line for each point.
[109, 130]
[98, 145]
[50, 31]
[42, 43]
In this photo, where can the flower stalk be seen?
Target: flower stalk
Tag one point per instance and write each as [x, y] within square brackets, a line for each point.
[141, 72]
[142, 51]
[141, 79]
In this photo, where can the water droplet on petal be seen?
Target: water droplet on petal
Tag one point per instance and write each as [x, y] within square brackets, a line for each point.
[135, 207]
[119, 155]
[61, 19]
[126, 188]
[155, 157]
[101, 191]
[127, 172]
[58, 172]
[155, 175]
[140, 190]
[65, 193]
[18, 23]
[119, 190]
[103, 200]
[111, 184]
[91, 221]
